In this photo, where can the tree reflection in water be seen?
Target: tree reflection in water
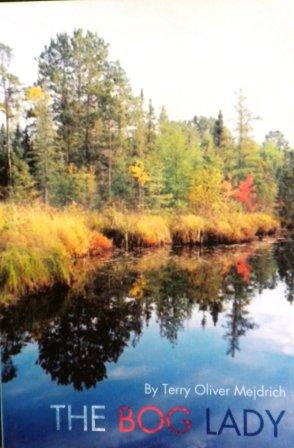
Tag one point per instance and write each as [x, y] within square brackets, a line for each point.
[79, 331]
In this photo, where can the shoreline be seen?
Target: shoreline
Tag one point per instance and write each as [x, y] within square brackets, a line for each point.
[40, 246]
[85, 268]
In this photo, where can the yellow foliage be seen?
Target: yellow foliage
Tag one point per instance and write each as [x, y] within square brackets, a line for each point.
[34, 93]
[139, 174]
[205, 195]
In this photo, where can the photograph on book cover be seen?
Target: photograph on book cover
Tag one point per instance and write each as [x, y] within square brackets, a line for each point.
[146, 224]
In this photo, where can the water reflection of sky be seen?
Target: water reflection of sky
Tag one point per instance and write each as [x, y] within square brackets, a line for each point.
[266, 357]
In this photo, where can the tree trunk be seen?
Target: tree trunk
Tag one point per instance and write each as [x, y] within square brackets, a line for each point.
[46, 179]
[8, 144]
[109, 176]
[87, 145]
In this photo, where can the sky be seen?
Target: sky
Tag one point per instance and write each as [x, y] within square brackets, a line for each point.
[190, 55]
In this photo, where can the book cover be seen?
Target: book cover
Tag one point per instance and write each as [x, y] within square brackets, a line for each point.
[146, 223]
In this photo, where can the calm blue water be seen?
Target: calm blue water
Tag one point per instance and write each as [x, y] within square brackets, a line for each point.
[222, 318]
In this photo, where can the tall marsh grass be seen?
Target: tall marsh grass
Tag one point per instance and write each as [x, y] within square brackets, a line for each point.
[227, 229]
[131, 230]
[38, 245]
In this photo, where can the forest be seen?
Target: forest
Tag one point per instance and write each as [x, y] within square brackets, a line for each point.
[85, 165]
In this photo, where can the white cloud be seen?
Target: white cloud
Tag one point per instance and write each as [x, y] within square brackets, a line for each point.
[275, 319]
[127, 373]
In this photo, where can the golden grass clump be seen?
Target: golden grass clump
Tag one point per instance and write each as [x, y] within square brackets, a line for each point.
[262, 223]
[151, 230]
[38, 245]
[188, 229]
[135, 229]
[227, 228]
[241, 227]
[43, 228]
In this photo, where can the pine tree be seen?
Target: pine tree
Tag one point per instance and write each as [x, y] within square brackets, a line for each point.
[114, 141]
[28, 151]
[151, 127]
[218, 131]
[56, 72]
[44, 140]
[23, 184]
[91, 101]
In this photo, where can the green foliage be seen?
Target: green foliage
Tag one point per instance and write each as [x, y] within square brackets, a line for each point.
[45, 151]
[74, 186]
[286, 189]
[180, 159]
[24, 187]
[205, 195]
[3, 170]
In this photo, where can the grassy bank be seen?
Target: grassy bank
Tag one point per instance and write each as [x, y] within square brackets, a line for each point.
[146, 230]
[234, 228]
[39, 246]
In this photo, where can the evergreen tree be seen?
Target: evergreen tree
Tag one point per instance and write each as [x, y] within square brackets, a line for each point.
[28, 151]
[113, 141]
[218, 131]
[17, 142]
[23, 184]
[44, 141]
[151, 127]
[9, 104]
[286, 189]
[91, 101]
[56, 73]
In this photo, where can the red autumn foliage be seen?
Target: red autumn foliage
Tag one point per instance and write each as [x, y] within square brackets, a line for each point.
[245, 189]
[243, 268]
[99, 243]
[244, 193]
